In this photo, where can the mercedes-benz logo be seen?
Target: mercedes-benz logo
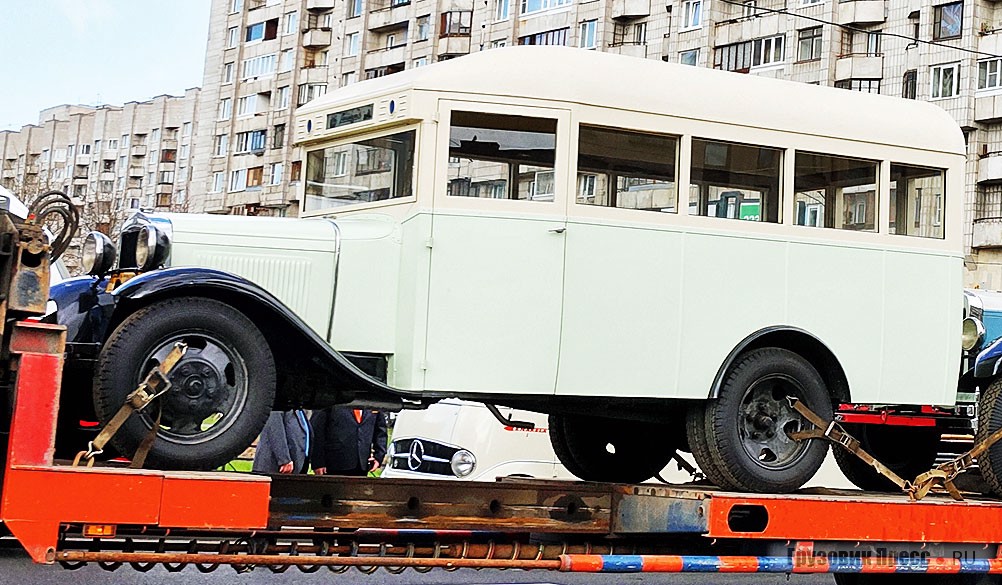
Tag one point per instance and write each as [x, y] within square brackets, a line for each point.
[415, 457]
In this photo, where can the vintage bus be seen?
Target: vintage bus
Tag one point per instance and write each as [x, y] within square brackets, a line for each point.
[657, 264]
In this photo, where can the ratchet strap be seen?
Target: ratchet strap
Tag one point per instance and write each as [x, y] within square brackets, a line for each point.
[155, 384]
[942, 475]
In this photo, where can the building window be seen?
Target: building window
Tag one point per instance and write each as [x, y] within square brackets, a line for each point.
[236, 6]
[692, 14]
[166, 177]
[810, 2]
[247, 105]
[231, 36]
[863, 85]
[278, 140]
[947, 21]
[291, 22]
[348, 78]
[354, 8]
[909, 84]
[184, 151]
[456, 24]
[308, 91]
[423, 28]
[552, 37]
[419, 62]
[225, 108]
[282, 100]
[277, 169]
[629, 34]
[988, 73]
[255, 32]
[690, 57]
[287, 60]
[501, 11]
[945, 81]
[748, 8]
[586, 38]
[255, 177]
[238, 180]
[218, 178]
[768, 51]
[529, 6]
[873, 44]
[259, 66]
[498, 43]
[351, 44]
[809, 44]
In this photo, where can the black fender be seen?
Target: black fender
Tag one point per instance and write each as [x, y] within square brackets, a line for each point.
[989, 361]
[798, 341]
[311, 374]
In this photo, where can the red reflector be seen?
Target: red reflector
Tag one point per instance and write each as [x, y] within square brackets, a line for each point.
[88, 424]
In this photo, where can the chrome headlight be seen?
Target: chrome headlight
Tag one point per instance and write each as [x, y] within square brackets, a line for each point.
[973, 333]
[97, 254]
[463, 463]
[152, 247]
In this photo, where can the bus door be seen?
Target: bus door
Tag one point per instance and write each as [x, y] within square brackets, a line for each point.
[496, 281]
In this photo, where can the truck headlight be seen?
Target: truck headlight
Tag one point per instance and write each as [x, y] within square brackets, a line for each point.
[463, 463]
[97, 254]
[973, 333]
[152, 246]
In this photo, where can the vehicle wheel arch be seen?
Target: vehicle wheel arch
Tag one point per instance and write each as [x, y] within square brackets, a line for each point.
[800, 342]
[291, 346]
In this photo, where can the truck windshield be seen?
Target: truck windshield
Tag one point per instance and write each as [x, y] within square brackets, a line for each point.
[369, 169]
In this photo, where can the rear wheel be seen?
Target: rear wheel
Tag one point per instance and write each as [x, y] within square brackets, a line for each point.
[610, 450]
[907, 451]
[741, 439]
[223, 388]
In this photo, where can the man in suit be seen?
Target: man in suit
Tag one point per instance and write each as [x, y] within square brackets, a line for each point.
[284, 444]
[348, 441]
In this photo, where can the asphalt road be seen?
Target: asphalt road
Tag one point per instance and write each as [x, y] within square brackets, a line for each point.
[17, 569]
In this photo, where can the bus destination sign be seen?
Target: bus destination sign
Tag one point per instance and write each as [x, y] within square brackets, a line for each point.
[352, 116]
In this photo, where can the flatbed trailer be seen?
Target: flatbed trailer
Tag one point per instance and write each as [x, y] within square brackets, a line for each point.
[136, 518]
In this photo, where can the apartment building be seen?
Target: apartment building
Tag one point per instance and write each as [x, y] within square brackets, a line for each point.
[110, 159]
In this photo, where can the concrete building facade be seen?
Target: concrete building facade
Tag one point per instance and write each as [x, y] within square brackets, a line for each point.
[110, 159]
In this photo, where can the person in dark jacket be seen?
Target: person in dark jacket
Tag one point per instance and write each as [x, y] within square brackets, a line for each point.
[284, 444]
[348, 441]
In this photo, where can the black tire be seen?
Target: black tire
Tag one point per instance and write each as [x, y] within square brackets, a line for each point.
[610, 450]
[223, 389]
[907, 451]
[740, 439]
[989, 421]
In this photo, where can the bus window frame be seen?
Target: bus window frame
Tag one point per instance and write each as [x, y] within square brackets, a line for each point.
[555, 210]
[350, 137]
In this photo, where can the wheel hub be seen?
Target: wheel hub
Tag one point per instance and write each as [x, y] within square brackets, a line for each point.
[767, 419]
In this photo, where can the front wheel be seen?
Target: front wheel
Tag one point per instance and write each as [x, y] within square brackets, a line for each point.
[222, 389]
[741, 440]
[611, 450]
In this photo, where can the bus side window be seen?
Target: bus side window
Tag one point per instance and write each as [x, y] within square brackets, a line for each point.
[917, 200]
[630, 170]
[835, 192]
[735, 181]
[501, 157]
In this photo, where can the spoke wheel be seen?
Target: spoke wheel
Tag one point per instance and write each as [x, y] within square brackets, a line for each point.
[221, 392]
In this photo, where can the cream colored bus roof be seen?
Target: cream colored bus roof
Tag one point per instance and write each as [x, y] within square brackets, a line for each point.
[563, 74]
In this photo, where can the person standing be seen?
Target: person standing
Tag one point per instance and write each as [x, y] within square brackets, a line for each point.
[285, 443]
[348, 441]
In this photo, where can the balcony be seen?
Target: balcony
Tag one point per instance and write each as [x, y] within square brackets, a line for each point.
[107, 154]
[9, 173]
[138, 150]
[988, 109]
[165, 167]
[136, 171]
[630, 49]
[990, 168]
[31, 170]
[107, 176]
[134, 192]
[385, 57]
[83, 159]
[390, 17]
[168, 144]
[252, 197]
[164, 188]
[454, 45]
[79, 180]
[631, 8]
[274, 196]
[987, 233]
[320, 5]
[317, 37]
[859, 67]
[313, 75]
[861, 12]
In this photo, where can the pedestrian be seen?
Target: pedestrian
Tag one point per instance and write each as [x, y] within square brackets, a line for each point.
[348, 441]
[284, 444]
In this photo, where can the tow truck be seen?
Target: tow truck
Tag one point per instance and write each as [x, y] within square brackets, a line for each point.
[126, 517]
